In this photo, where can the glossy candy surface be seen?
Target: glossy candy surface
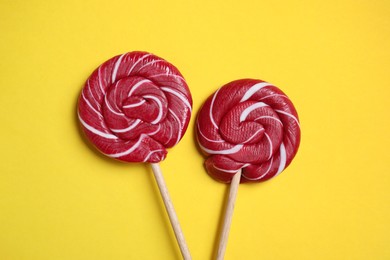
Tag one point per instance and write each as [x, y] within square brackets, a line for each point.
[135, 106]
[251, 125]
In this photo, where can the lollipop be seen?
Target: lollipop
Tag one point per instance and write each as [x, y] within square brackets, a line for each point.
[249, 131]
[132, 108]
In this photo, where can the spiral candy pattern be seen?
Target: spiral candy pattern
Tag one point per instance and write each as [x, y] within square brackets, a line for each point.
[135, 106]
[251, 125]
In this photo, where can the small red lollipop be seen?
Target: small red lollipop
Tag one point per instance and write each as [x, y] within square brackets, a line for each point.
[132, 108]
[248, 128]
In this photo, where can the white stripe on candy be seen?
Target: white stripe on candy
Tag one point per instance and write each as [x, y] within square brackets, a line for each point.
[179, 95]
[263, 175]
[283, 158]
[111, 109]
[250, 138]
[116, 67]
[92, 96]
[170, 75]
[178, 122]
[100, 80]
[89, 104]
[235, 149]
[137, 86]
[208, 139]
[224, 170]
[150, 63]
[135, 146]
[128, 128]
[211, 109]
[253, 90]
[135, 105]
[160, 109]
[152, 152]
[274, 95]
[269, 117]
[138, 61]
[288, 114]
[155, 132]
[249, 109]
[95, 131]
[270, 145]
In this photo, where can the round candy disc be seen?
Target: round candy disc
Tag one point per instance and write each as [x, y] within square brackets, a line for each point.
[250, 125]
[135, 106]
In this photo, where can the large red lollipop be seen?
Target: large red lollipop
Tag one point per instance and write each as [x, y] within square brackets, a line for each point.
[247, 128]
[132, 108]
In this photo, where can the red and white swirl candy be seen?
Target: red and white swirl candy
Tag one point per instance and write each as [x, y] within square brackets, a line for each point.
[135, 106]
[251, 125]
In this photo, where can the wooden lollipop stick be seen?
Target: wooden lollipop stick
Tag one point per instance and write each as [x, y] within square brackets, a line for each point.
[228, 215]
[171, 211]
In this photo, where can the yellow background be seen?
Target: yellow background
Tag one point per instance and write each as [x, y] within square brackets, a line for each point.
[60, 200]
